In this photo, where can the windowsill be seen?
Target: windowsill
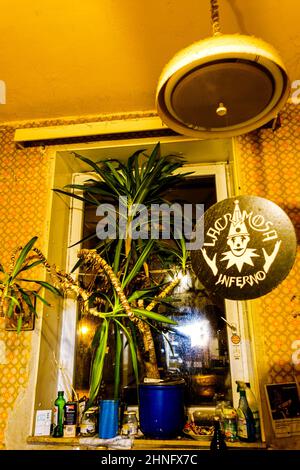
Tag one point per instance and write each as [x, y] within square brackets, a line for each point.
[138, 444]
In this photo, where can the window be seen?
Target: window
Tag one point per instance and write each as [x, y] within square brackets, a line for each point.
[197, 347]
[211, 366]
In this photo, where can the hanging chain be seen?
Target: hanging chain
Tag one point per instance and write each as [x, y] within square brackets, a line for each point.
[214, 8]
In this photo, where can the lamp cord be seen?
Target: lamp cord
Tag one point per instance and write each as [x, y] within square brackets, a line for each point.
[214, 8]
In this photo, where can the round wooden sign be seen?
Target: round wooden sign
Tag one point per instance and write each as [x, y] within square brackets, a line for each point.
[248, 248]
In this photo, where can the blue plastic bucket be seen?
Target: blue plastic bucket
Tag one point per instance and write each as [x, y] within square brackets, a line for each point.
[161, 409]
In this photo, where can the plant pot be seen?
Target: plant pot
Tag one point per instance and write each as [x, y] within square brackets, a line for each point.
[24, 319]
[108, 418]
[161, 409]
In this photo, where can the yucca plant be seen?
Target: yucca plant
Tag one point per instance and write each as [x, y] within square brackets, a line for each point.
[18, 292]
[124, 292]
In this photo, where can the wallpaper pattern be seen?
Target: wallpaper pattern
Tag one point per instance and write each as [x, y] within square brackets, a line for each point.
[269, 167]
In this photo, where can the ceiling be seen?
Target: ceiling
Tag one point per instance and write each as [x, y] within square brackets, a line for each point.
[76, 58]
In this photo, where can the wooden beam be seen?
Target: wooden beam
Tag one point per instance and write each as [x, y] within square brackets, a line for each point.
[88, 129]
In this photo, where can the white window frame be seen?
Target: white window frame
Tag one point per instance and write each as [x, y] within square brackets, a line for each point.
[239, 355]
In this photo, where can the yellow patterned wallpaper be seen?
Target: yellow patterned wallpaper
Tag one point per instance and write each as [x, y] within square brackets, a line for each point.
[23, 193]
[269, 167]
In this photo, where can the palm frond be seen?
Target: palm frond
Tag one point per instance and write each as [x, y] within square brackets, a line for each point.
[76, 196]
[133, 349]
[139, 263]
[97, 368]
[44, 284]
[153, 316]
[118, 355]
[22, 256]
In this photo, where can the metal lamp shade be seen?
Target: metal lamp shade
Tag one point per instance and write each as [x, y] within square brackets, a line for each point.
[222, 86]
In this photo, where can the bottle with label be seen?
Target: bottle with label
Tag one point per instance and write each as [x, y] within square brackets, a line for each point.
[218, 443]
[245, 421]
[252, 405]
[70, 419]
[254, 408]
[59, 405]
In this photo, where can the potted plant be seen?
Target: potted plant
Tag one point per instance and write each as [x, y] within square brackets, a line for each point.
[124, 292]
[19, 291]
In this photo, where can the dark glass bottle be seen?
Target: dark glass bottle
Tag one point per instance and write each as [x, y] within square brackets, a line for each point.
[245, 422]
[218, 443]
[59, 405]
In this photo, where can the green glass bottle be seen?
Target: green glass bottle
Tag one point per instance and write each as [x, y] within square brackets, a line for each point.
[59, 405]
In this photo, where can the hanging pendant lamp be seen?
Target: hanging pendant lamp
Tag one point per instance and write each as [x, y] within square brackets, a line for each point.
[222, 86]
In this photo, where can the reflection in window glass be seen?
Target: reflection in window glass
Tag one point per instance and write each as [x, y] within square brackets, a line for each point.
[197, 347]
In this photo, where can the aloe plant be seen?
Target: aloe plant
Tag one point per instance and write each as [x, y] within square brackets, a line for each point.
[126, 302]
[18, 293]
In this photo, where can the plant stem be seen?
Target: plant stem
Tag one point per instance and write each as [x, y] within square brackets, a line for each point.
[94, 258]
[163, 294]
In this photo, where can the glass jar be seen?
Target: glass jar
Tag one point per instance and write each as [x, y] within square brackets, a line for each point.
[88, 423]
[129, 424]
[219, 412]
[230, 423]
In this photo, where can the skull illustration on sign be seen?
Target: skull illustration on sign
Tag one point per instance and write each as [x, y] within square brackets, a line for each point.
[238, 239]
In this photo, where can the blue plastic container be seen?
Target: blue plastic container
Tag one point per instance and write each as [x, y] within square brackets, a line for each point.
[108, 418]
[161, 409]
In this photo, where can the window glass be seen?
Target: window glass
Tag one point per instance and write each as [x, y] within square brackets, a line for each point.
[196, 347]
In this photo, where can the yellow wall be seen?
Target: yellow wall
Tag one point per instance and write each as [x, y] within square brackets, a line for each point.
[269, 166]
[23, 198]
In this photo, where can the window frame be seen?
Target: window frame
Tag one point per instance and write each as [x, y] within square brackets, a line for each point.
[240, 355]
